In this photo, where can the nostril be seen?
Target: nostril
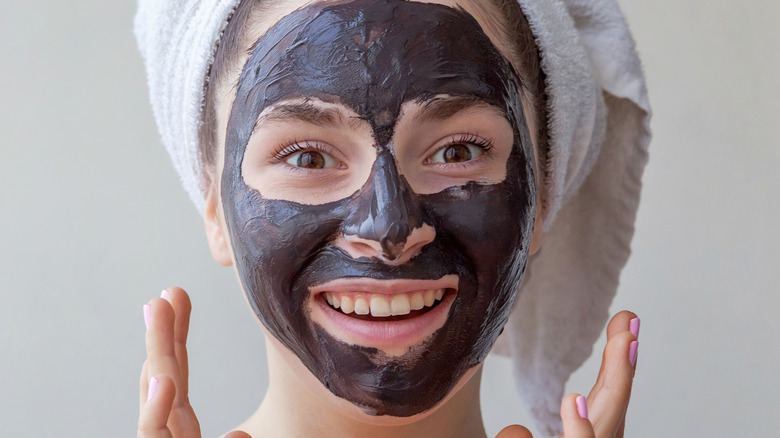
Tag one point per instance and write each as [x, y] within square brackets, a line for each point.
[387, 251]
[392, 251]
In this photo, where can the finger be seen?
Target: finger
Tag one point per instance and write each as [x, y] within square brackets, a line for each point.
[160, 351]
[182, 308]
[153, 420]
[608, 400]
[574, 413]
[182, 420]
[621, 428]
[161, 357]
[238, 434]
[143, 385]
[622, 322]
[514, 431]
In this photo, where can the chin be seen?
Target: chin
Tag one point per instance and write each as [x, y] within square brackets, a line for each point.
[324, 401]
[360, 415]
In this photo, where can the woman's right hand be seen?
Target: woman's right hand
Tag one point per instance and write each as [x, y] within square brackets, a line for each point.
[165, 410]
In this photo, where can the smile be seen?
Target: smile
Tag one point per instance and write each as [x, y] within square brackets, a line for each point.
[391, 315]
[381, 305]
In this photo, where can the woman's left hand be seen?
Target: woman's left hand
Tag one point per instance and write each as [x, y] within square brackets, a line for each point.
[603, 414]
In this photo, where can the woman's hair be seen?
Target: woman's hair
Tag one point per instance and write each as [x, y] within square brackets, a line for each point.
[510, 24]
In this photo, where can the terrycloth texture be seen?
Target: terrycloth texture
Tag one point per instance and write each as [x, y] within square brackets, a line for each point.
[177, 39]
[592, 191]
[599, 132]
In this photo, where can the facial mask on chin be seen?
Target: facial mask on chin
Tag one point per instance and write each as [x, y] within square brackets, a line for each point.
[372, 57]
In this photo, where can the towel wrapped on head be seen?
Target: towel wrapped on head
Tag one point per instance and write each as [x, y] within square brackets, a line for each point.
[598, 125]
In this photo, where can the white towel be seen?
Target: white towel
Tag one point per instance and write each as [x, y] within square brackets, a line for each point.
[177, 40]
[598, 118]
[600, 131]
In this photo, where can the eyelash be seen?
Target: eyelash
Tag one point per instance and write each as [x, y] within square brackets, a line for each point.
[472, 139]
[288, 148]
[486, 145]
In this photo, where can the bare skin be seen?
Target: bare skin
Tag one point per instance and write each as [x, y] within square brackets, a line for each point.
[169, 414]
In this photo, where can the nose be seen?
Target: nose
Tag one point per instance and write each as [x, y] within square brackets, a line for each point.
[387, 221]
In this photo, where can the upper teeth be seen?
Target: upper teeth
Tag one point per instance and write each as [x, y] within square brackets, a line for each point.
[380, 305]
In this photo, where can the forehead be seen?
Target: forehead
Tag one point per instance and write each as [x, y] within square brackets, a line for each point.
[484, 11]
[374, 55]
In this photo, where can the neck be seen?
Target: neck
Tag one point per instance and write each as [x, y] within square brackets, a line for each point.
[297, 404]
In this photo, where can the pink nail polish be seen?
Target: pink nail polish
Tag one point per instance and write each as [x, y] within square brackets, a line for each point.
[634, 327]
[147, 315]
[166, 295]
[153, 384]
[582, 407]
[632, 350]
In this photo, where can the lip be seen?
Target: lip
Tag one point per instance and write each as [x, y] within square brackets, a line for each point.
[393, 337]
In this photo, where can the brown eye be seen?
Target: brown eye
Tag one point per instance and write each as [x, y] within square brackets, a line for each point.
[456, 153]
[311, 159]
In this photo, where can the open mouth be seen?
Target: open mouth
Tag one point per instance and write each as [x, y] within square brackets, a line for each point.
[383, 307]
[392, 315]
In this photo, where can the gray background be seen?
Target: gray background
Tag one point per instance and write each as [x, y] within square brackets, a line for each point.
[93, 223]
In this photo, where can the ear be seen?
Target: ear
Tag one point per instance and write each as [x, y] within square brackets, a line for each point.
[216, 232]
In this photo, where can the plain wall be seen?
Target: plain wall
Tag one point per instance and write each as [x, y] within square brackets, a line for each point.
[93, 223]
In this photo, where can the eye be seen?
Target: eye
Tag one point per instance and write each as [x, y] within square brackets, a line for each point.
[311, 160]
[456, 153]
[460, 150]
[307, 155]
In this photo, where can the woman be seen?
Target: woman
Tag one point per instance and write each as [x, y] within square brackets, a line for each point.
[379, 172]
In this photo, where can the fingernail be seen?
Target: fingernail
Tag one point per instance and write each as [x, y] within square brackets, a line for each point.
[166, 295]
[634, 327]
[632, 349]
[582, 407]
[147, 315]
[153, 384]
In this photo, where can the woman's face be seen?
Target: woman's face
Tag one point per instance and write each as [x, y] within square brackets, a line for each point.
[379, 195]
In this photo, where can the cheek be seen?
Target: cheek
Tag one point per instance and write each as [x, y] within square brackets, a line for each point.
[492, 222]
[487, 223]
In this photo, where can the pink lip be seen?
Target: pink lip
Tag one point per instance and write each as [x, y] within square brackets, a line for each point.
[394, 337]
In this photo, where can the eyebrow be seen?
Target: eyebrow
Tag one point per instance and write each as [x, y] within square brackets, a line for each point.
[442, 108]
[308, 113]
[435, 109]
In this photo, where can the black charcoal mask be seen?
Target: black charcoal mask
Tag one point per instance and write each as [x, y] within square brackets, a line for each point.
[374, 56]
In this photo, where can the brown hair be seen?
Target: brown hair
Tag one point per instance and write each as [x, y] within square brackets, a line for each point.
[510, 24]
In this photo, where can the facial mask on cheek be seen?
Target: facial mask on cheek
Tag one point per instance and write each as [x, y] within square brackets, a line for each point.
[373, 56]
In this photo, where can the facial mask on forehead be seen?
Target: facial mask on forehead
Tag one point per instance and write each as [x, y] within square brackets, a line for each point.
[372, 57]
